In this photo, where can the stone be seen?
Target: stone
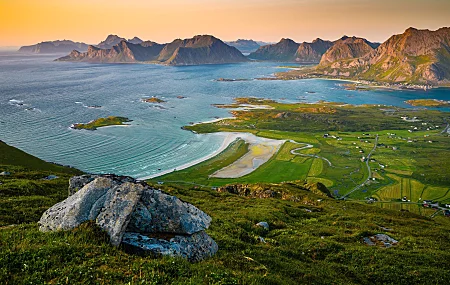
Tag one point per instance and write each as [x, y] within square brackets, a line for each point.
[193, 247]
[264, 225]
[78, 182]
[119, 204]
[82, 206]
[143, 220]
[159, 212]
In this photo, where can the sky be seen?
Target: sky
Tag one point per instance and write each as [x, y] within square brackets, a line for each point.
[24, 22]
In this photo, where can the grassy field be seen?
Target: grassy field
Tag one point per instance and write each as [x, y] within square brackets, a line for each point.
[312, 239]
[410, 160]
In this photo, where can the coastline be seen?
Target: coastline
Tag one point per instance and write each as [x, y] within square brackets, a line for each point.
[228, 139]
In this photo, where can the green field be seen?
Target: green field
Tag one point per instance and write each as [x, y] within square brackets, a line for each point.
[410, 160]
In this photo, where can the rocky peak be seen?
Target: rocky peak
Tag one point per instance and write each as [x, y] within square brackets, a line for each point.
[110, 41]
[347, 48]
[135, 41]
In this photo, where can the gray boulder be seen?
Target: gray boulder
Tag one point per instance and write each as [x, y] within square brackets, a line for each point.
[142, 219]
[83, 206]
[193, 247]
[264, 225]
[159, 212]
[117, 210]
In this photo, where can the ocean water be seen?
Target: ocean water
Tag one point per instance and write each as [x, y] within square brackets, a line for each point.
[40, 99]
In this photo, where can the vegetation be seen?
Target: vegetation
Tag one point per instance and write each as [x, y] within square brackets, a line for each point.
[404, 162]
[101, 122]
[312, 239]
[428, 103]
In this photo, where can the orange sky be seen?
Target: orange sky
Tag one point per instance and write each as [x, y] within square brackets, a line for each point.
[30, 21]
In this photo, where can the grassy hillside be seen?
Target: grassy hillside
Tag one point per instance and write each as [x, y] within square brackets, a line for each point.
[312, 239]
[25, 194]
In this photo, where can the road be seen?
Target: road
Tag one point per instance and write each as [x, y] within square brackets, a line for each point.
[368, 170]
[294, 152]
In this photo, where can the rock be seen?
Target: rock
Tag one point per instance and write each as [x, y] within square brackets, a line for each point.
[382, 240]
[117, 210]
[194, 247]
[50, 177]
[78, 182]
[265, 225]
[261, 240]
[82, 206]
[145, 220]
[159, 212]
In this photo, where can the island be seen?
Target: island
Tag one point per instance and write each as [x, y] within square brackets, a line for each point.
[101, 122]
[153, 100]
[428, 103]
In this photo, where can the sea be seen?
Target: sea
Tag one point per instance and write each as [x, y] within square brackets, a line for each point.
[40, 99]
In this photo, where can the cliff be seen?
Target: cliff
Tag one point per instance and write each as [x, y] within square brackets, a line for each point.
[347, 48]
[198, 50]
[312, 52]
[63, 46]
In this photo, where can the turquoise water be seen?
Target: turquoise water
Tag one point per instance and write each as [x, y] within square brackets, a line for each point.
[40, 99]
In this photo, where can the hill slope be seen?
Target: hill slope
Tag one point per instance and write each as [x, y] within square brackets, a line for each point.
[311, 239]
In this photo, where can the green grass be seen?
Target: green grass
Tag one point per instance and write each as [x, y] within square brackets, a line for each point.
[312, 239]
[101, 122]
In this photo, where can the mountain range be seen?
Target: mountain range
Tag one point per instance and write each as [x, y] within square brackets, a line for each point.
[63, 46]
[415, 56]
[204, 49]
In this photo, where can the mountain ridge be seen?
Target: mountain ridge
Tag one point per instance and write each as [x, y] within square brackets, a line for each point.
[201, 49]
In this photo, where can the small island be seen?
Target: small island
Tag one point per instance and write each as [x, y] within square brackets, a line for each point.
[101, 122]
[153, 100]
[428, 103]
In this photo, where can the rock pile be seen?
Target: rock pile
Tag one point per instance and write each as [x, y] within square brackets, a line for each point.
[142, 219]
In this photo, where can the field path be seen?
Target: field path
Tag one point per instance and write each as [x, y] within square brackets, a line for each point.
[307, 145]
[368, 169]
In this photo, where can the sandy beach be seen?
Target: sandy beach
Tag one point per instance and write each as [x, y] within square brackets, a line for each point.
[263, 149]
[260, 151]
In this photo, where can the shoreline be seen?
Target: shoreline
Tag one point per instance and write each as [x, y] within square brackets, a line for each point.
[228, 139]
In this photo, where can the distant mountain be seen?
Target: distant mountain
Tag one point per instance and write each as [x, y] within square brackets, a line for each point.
[347, 48]
[63, 46]
[288, 50]
[244, 46]
[416, 56]
[197, 50]
[284, 50]
[135, 41]
[312, 52]
[110, 41]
